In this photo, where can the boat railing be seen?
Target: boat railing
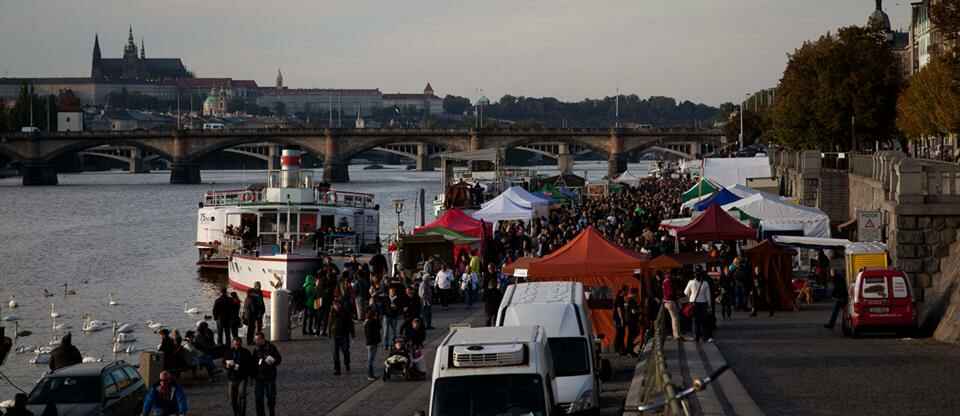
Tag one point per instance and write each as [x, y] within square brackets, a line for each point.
[345, 199]
[232, 197]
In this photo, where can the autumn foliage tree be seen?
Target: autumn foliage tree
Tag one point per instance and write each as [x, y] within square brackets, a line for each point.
[837, 87]
[930, 105]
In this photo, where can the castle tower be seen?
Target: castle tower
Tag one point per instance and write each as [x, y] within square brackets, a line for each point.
[130, 50]
[428, 91]
[279, 79]
[143, 49]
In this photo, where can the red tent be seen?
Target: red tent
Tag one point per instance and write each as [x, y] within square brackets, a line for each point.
[776, 266]
[601, 266]
[458, 221]
[716, 225]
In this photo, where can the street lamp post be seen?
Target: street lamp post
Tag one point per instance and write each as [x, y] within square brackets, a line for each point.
[398, 207]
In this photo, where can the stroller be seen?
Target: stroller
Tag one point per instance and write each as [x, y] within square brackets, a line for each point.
[404, 360]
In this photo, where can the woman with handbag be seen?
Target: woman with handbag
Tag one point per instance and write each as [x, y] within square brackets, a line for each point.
[699, 294]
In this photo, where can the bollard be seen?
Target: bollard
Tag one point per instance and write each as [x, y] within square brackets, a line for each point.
[280, 315]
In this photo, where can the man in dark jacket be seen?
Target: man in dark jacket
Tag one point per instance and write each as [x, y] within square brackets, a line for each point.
[491, 301]
[840, 296]
[392, 311]
[239, 364]
[169, 349]
[266, 358]
[340, 327]
[66, 354]
[221, 314]
[253, 310]
[411, 306]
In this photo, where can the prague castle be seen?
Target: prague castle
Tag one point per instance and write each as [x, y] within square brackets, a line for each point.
[133, 66]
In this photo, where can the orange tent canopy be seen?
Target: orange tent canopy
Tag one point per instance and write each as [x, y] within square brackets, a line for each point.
[600, 265]
[521, 263]
[664, 263]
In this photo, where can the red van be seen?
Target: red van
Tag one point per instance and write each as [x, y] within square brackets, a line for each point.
[880, 299]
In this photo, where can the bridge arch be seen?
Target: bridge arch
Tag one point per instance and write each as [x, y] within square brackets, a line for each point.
[81, 146]
[351, 147]
[312, 145]
[659, 149]
[525, 142]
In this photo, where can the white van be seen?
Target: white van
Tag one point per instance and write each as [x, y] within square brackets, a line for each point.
[493, 371]
[561, 309]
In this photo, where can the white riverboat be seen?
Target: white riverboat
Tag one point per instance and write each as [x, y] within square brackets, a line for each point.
[279, 232]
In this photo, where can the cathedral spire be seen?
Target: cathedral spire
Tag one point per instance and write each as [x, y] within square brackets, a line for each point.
[96, 47]
[279, 79]
[879, 4]
[143, 49]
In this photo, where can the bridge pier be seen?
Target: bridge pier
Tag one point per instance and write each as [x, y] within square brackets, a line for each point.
[423, 159]
[184, 173]
[617, 162]
[136, 161]
[335, 171]
[564, 159]
[38, 173]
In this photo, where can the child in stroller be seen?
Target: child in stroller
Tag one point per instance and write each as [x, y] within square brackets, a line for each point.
[404, 360]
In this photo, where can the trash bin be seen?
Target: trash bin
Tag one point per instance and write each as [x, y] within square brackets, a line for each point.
[151, 364]
[280, 315]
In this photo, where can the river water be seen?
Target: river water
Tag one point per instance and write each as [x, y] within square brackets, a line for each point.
[132, 235]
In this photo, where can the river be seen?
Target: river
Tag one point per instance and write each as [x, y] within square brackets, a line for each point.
[132, 235]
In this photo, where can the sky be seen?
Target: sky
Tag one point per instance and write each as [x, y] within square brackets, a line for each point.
[709, 51]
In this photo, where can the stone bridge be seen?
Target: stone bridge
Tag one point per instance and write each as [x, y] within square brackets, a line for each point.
[185, 148]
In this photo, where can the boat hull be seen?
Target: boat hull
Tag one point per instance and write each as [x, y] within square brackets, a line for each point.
[287, 272]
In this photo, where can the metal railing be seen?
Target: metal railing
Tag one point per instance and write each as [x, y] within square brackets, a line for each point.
[656, 380]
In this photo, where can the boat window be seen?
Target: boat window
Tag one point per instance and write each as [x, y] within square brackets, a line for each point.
[282, 223]
[308, 222]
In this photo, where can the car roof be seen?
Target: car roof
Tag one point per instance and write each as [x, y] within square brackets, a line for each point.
[83, 369]
[557, 319]
[547, 293]
[492, 335]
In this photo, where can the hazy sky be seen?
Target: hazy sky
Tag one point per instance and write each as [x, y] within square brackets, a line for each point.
[702, 50]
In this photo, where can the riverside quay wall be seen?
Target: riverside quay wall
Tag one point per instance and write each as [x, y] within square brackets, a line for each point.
[920, 204]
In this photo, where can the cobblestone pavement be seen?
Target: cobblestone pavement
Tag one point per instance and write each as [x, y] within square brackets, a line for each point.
[791, 365]
[307, 386]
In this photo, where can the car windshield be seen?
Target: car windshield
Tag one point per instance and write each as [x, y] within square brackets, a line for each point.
[493, 395]
[66, 390]
[570, 356]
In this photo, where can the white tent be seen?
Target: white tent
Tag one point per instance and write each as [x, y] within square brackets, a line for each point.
[736, 170]
[502, 208]
[523, 198]
[775, 213]
[630, 178]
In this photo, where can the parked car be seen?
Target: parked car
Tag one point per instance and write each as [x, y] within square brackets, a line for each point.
[114, 388]
[880, 299]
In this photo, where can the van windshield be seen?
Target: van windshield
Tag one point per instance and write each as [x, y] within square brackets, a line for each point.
[571, 357]
[492, 395]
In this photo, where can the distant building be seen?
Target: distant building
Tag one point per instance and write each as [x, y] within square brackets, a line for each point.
[69, 112]
[427, 101]
[134, 66]
[899, 41]
[216, 103]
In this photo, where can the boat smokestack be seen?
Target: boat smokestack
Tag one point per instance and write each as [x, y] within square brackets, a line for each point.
[290, 168]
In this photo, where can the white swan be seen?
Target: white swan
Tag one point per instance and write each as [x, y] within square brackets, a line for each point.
[10, 318]
[125, 338]
[95, 325]
[125, 328]
[191, 311]
[92, 360]
[13, 303]
[131, 349]
[23, 348]
[53, 312]
[156, 326]
[113, 302]
[61, 326]
[117, 347]
[42, 350]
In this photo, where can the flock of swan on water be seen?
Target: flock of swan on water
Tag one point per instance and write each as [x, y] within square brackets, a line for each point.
[123, 339]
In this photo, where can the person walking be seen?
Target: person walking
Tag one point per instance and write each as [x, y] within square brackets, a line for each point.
[309, 305]
[65, 354]
[632, 321]
[340, 327]
[235, 321]
[392, 309]
[698, 292]
[841, 297]
[221, 314]
[670, 304]
[757, 292]
[619, 321]
[372, 337]
[727, 284]
[444, 283]
[253, 310]
[491, 301]
[425, 291]
[166, 398]
[239, 364]
[266, 358]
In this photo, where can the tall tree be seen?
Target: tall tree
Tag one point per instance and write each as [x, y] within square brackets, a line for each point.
[945, 16]
[836, 91]
[457, 105]
[753, 128]
[930, 105]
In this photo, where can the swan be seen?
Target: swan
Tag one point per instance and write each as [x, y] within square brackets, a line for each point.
[191, 311]
[53, 312]
[13, 303]
[10, 318]
[43, 350]
[113, 302]
[117, 347]
[125, 338]
[131, 349]
[125, 328]
[47, 293]
[61, 326]
[154, 325]
[23, 348]
[87, 360]
[93, 325]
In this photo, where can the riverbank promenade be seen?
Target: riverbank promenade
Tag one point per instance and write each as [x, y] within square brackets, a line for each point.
[791, 365]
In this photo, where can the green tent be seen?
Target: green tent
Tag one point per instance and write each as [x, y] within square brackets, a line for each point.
[743, 216]
[702, 188]
[555, 194]
[449, 234]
